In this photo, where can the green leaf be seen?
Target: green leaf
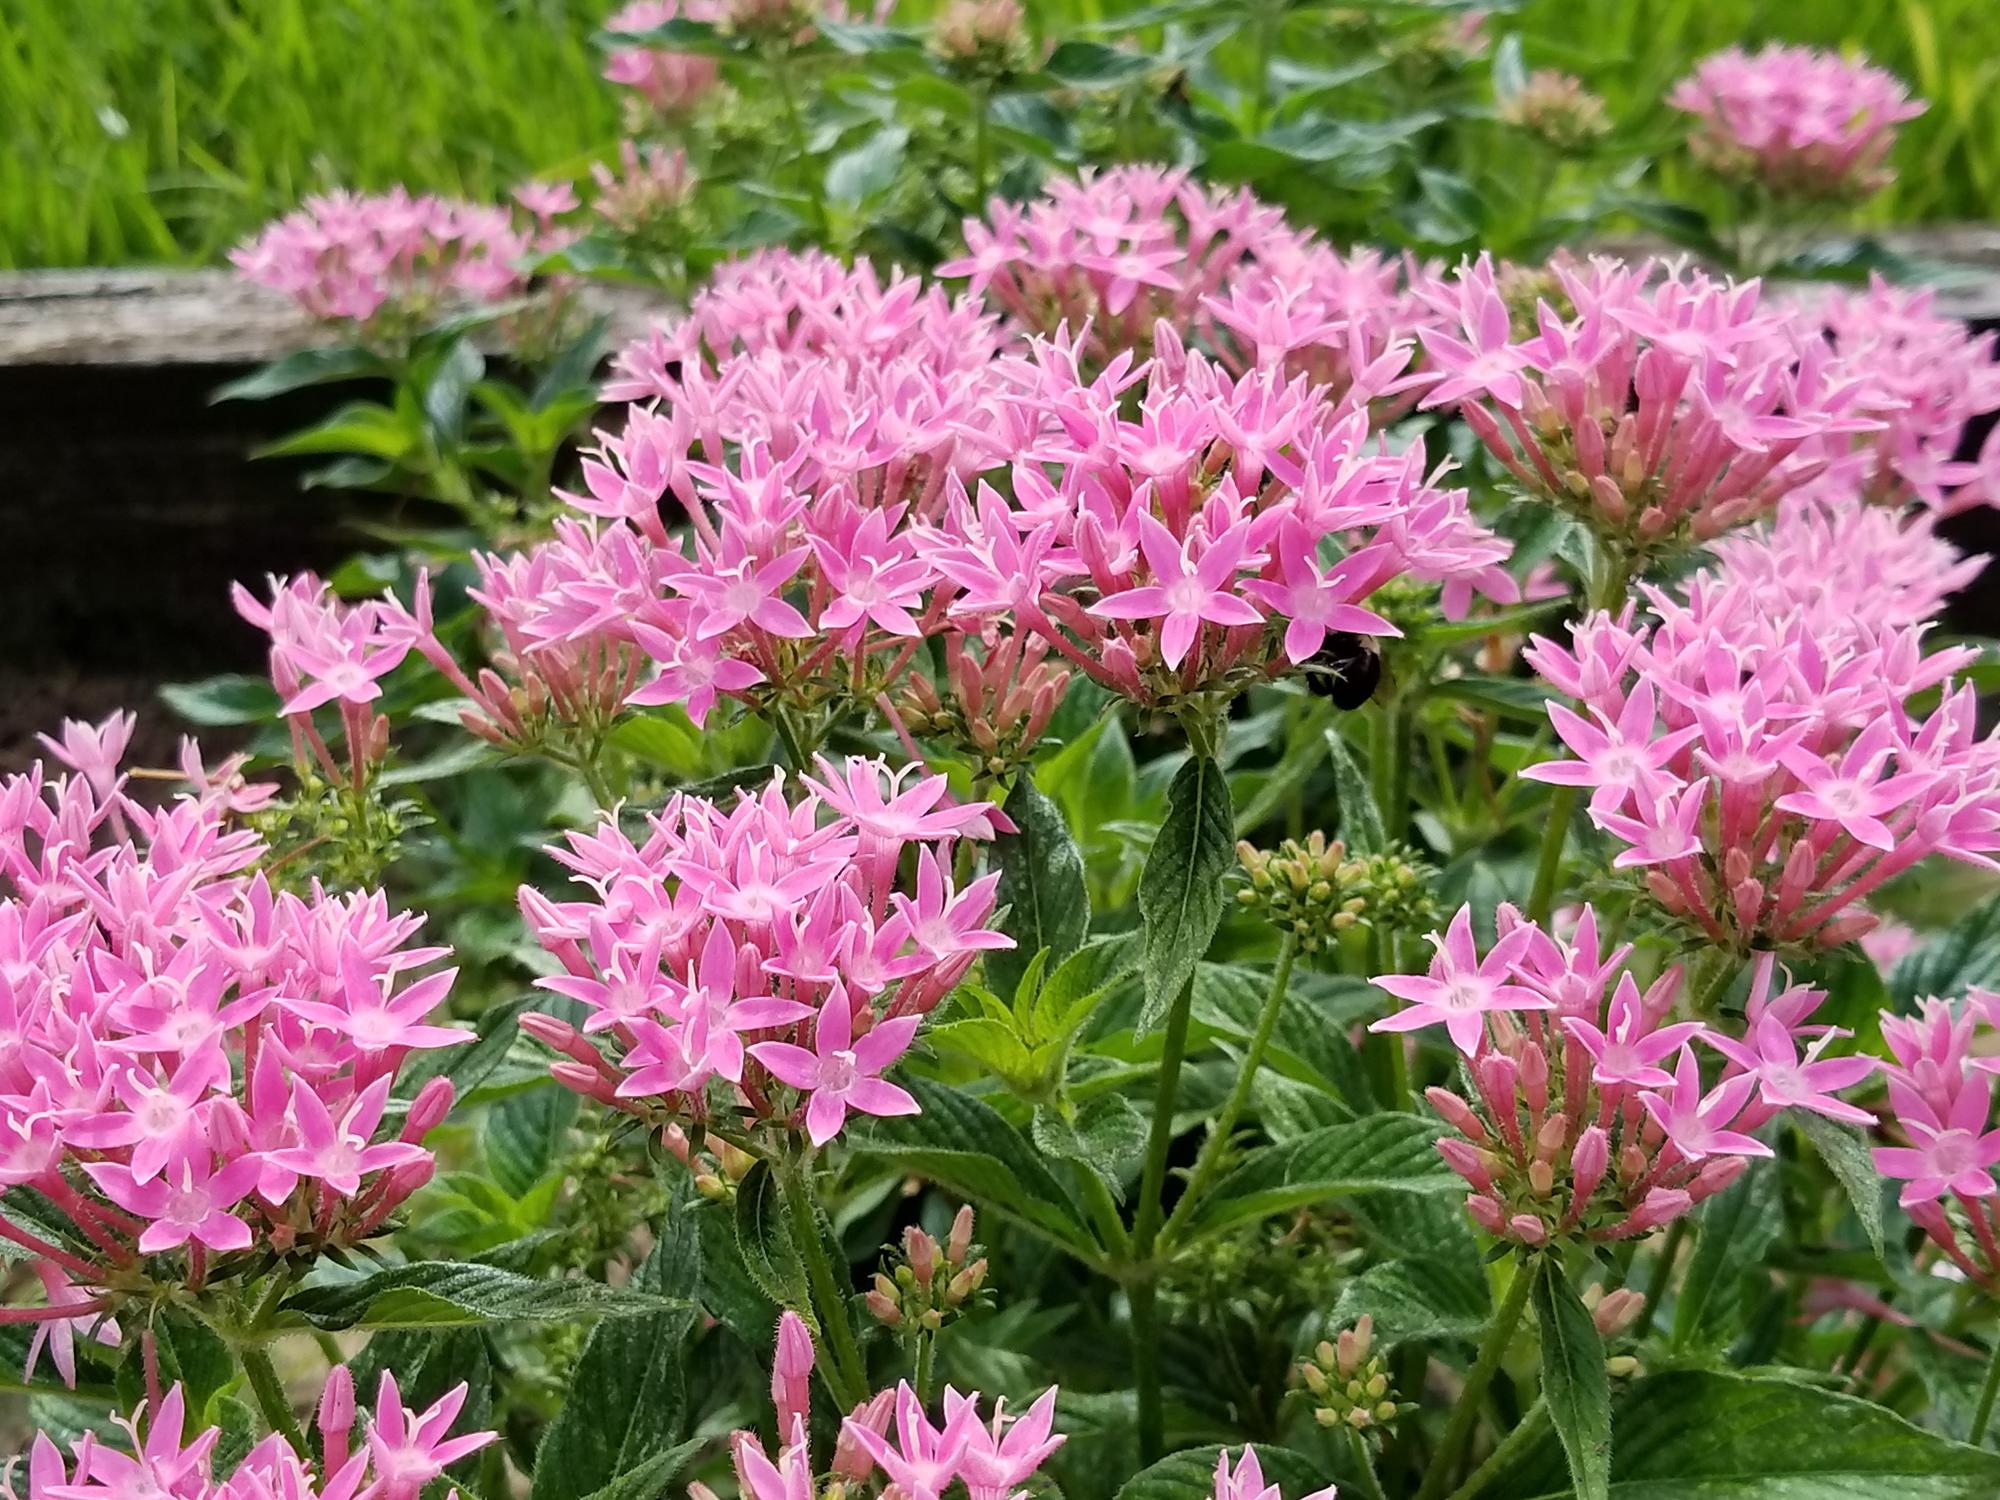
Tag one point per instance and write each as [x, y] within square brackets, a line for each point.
[1094, 65]
[1738, 1225]
[1190, 1474]
[1386, 1152]
[219, 702]
[1180, 891]
[1699, 1435]
[1360, 819]
[1964, 954]
[448, 1294]
[1041, 885]
[764, 1240]
[1846, 1155]
[627, 1399]
[525, 1134]
[870, 168]
[1107, 1136]
[1516, 697]
[960, 1143]
[469, 1063]
[1418, 1297]
[651, 1479]
[1573, 1380]
[450, 387]
[358, 427]
[297, 370]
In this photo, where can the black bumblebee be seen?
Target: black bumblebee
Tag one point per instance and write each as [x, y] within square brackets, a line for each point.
[1346, 668]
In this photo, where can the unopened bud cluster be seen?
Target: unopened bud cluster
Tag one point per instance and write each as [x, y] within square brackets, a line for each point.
[925, 1285]
[995, 705]
[769, 20]
[1557, 110]
[982, 41]
[1314, 890]
[1347, 1383]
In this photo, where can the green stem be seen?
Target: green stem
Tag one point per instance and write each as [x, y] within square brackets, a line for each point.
[788, 735]
[1983, 1413]
[1268, 16]
[1458, 1430]
[925, 1344]
[1371, 1487]
[1525, 1432]
[980, 100]
[1146, 1228]
[1146, 1371]
[795, 124]
[1663, 1271]
[844, 1370]
[269, 1392]
[1390, 747]
[1216, 1147]
[1562, 811]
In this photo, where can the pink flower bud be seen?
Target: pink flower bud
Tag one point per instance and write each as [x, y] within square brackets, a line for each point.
[850, 1459]
[959, 1245]
[1467, 1162]
[428, 1109]
[1486, 1213]
[1587, 1164]
[1528, 1229]
[922, 1253]
[791, 1370]
[1456, 1113]
[336, 1416]
[1715, 1175]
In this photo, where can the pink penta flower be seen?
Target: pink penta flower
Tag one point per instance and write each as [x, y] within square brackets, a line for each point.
[1186, 589]
[1000, 1456]
[1954, 1154]
[1461, 988]
[58, 1335]
[923, 1459]
[410, 1448]
[191, 1203]
[1697, 1123]
[1628, 1050]
[840, 1073]
[1246, 1480]
[1770, 1054]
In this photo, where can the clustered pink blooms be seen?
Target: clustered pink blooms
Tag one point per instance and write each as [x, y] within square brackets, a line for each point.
[764, 948]
[891, 1434]
[368, 259]
[1757, 750]
[646, 192]
[867, 464]
[1924, 378]
[1576, 1127]
[1941, 1104]
[1118, 251]
[327, 652]
[1657, 404]
[1794, 122]
[194, 1062]
[672, 83]
[399, 1452]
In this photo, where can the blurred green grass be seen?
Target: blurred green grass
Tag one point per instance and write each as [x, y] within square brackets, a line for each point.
[165, 130]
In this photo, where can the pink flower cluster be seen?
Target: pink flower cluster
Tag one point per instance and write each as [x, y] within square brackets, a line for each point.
[1757, 751]
[1119, 250]
[1660, 406]
[1924, 378]
[400, 1452]
[1941, 1103]
[672, 83]
[891, 1432]
[371, 258]
[1794, 122]
[194, 1061]
[1576, 1128]
[866, 464]
[324, 651]
[1110, 255]
[764, 947]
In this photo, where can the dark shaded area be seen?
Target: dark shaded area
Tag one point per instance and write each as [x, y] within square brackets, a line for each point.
[128, 504]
